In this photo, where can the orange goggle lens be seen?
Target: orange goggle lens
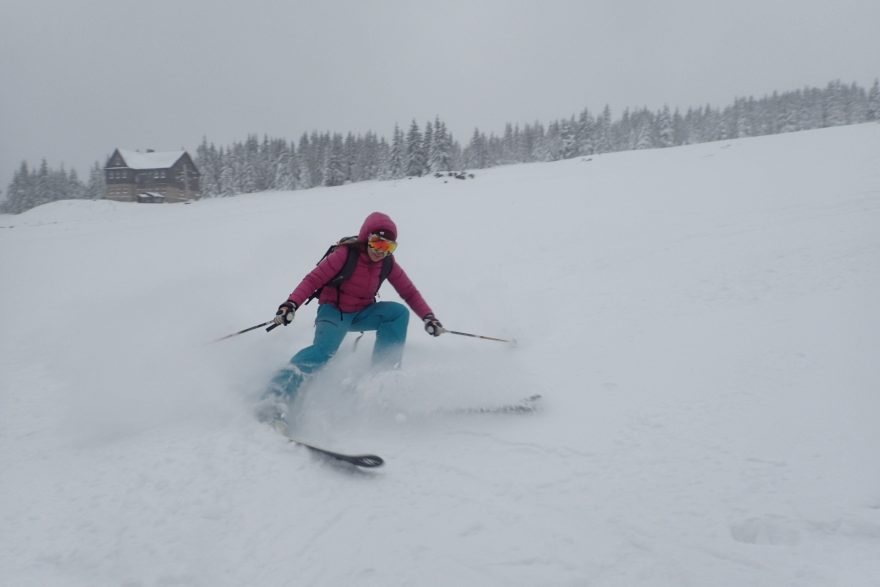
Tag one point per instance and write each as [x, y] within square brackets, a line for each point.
[381, 245]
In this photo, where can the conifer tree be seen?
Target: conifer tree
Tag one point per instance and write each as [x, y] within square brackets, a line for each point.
[349, 158]
[441, 155]
[415, 154]
[477, 154]
[368, 159]
[305, 179]
[228, 174]
[603, 131]
[209, 161]
[665, 131]
[383, 158]
[873, 110]
[835, 105]
[428, 146]
[334, 171]
[19, 191]
[285, 171]
[641, 127]
[585, 133]
[397, 154]
[568, 139]
[73, 187]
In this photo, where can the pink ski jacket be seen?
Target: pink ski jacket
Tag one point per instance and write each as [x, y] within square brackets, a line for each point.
[358, 291]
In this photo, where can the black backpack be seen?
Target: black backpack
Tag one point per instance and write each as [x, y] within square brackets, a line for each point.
[354, 250]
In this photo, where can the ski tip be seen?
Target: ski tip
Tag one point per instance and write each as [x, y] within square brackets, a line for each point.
[369, 461]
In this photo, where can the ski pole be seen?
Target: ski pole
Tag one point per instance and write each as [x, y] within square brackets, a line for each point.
[248, 330]
[479, 336]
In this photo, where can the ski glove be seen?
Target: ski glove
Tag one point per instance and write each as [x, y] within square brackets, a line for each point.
[284, 315]
[433, 326]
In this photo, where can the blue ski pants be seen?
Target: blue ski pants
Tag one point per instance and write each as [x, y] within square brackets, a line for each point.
[388, 319]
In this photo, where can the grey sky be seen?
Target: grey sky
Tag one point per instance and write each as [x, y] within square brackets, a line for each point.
[81, 77]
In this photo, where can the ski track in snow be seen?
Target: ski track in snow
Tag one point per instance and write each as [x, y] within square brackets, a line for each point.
[701, 321]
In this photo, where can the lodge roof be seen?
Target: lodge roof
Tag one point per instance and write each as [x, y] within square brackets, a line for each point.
[150, 159]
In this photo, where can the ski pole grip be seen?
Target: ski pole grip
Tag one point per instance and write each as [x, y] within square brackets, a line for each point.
[274, 325]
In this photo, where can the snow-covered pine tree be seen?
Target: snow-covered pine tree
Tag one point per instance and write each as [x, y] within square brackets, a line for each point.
[585, 133]
[96, 187]
[643, 129]
[305, 179]
[603, 131]
[415, 154]
[787, 111]
[508, 153]
[622, 135]
[568, 139]
[428, 145]
[334, 170]
[349, 158]
[665, 132]
[18, 193]
[371, 157]
[210, 165]
[74, 189]
[873, 110]
[383, 157]
[678, 127]
[397, 154]
[285, 169]
[476, 155]
[741, 126]
[359, 154]
[443, 156]
[247, 170]
[835, 105]
[532, 141]
[228, 173]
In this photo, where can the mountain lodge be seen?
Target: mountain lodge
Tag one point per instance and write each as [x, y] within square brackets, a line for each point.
[151, 176]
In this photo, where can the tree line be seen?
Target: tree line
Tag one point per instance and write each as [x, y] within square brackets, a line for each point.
[324, 159]
[331, 159]
[34, 186]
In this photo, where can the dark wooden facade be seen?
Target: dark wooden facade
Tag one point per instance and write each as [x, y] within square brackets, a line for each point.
[171, 174]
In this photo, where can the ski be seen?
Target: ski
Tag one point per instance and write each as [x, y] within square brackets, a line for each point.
[526, 405]
[366, 460]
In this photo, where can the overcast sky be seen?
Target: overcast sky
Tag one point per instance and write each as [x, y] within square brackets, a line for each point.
[81, 77]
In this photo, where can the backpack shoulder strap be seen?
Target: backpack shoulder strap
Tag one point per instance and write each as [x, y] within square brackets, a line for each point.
[387, 266]
[351, 244]
[350, 264]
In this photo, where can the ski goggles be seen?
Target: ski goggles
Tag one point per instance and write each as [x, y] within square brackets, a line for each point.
[381, 245]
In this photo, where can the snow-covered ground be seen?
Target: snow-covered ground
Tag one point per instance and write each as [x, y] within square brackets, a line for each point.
[703, 323]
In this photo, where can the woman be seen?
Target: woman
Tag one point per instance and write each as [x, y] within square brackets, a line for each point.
[350, 305]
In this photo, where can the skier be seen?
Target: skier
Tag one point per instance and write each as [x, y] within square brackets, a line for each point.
[348, 305]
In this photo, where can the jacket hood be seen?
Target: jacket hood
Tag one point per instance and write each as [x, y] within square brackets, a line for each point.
[374, 223]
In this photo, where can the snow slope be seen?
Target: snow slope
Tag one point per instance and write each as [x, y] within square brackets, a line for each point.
[702, 321]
